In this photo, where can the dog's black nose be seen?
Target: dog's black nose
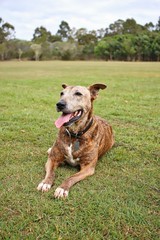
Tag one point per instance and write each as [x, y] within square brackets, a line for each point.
[61, 105]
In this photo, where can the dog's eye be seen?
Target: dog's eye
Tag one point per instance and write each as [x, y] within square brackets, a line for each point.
[78, 94]
[62, 93]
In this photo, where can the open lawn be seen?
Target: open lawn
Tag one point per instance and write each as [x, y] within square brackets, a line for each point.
[121, 200]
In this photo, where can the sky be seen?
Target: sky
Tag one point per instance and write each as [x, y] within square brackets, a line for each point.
[27, 15]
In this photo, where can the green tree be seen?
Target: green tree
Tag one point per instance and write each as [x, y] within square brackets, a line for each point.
[65, 50]
[127, 47]
[107, 48]
[101, 33]
[80, 35]
[116, 27]
[149, 26]
[54, 38]
[142, 47]
[21, 48]
[131, 26]
[84, 38]
[47, 50]
[41, 35]
[64, 31]
[6, 31]
[37, 48]
[3, 49]
[102, 49]
[87, 40]
[158, 25]
[156, 46]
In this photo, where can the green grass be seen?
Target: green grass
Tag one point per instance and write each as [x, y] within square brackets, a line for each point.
[121, 200]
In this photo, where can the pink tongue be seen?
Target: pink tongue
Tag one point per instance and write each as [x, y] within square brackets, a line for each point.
[62, 119]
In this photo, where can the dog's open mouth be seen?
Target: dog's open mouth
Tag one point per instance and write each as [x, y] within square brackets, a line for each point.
[67, 119]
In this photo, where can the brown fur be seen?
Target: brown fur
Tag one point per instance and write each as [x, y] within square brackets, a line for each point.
[92, 144]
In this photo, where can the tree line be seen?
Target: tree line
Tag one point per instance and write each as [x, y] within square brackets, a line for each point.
[124, 40]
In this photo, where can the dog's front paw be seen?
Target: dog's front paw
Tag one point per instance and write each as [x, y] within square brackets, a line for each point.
[49, 150]
[61, 193]
[44, 187]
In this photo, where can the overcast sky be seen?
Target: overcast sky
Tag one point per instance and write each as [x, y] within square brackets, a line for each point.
[26, 15]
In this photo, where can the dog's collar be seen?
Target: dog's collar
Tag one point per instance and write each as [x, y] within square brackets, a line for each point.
[80, 133]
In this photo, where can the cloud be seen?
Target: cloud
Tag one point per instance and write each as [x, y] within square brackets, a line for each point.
[91, 14]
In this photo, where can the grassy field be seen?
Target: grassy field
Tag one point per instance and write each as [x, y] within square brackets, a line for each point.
[121, 200]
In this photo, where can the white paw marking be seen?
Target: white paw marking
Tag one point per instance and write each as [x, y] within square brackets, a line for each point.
[44, 187]
[49, 150]
[40, 186]
[60, 193]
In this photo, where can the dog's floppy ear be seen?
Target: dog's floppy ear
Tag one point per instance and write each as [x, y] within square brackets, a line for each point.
[94, 89]
[64, 86]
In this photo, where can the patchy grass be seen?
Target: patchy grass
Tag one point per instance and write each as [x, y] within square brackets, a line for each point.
[121, 200]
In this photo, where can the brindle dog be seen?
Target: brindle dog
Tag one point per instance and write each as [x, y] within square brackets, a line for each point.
[82, 138]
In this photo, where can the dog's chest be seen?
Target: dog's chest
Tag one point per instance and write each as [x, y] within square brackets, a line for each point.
[69, 154]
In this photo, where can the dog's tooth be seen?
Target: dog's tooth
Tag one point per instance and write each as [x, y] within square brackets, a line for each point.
[75, 114]
[72, 115]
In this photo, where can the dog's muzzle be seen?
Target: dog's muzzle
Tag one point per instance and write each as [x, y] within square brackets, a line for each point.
[61, 105]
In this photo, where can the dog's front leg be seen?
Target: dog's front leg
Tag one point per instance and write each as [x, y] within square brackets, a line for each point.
[47, 182]
[63, 190]
[54, 159]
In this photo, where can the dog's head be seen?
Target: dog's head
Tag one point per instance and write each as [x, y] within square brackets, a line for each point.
[76, 103]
